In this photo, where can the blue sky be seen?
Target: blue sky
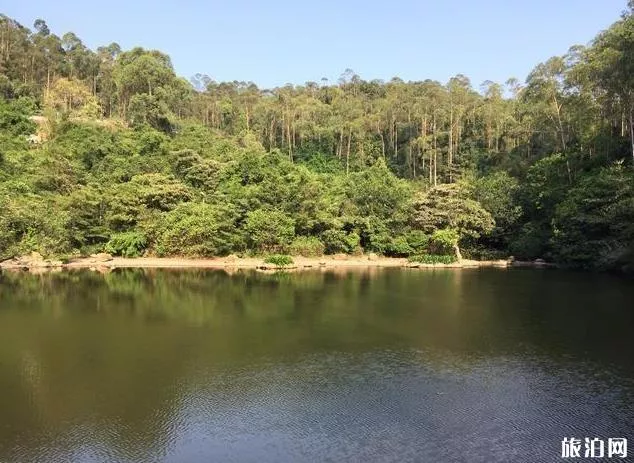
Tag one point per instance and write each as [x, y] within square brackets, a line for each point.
[275, 42]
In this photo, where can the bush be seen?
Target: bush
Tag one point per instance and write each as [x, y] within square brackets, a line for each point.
[433, 259]
[476, 251]
[269, 230]
[307, 246]
[417, 240]
[398, 247]
[127, 244]
[196, 229]
[337, 241]
[27, 224]
[443, 242]
[411, 243]
[14, 117]
[279, 260]
[531, 241]
[158, 191]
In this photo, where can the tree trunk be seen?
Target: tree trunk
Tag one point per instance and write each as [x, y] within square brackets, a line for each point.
[421, 145]
[559, 123]
[382, 142]
[632, 129]
[413, 158]
[435, 153]
[348, 151]
[450, 153]
[395, 139]
[456, 249]
[288, 137]
[272, 134]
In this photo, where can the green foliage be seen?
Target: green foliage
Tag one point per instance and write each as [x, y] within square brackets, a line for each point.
[200, 173]
[149, 142]
[412, 242]
[269, 230]
[448, 206]
[497, 194]
[14, 116]
[127, 244]
[545, 186]
[399, 247]
[443, 242]
[147, 87]
[147, 109]
[195, 229]
[339, 241]
[157, 191]
[593, 226]
[84, 142]
[26, 225]
[433, 259]
[531, 242]
[375, 234]
[377, 192]
[127, 148]
[321, 163]
[279, 260]
[307, 246]
[86, 224]
[417, 240]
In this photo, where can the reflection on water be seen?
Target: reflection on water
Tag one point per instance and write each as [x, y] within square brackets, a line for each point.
[397, 365]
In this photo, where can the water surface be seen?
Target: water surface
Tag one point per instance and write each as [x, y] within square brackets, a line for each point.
[359, 365]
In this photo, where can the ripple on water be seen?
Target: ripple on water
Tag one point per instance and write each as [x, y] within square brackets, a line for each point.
[395, 406]
[167, 366]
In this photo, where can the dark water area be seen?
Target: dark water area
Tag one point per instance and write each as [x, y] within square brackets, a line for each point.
[354, 365]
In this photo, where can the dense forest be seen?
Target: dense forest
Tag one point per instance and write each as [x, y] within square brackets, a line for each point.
[109, 150]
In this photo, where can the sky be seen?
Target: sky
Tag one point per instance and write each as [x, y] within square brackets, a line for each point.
[276, 42]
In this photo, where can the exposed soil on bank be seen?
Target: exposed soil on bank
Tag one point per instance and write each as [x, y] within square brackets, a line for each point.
[300, 263]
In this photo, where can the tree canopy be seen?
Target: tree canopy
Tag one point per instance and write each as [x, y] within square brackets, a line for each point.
[126, 155]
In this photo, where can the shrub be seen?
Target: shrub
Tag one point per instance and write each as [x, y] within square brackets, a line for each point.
[337, 241]
[412, 242]
[398, 247]
[375, 235]
[157, 191]
[307, 246]
[269, 230]
[127, 244]
[477, 251]
[443, 242]
[279, 260]
[196, 229]
[531, 241]
[417, 240]
[27, 224]
[14, 117]
[432, 259]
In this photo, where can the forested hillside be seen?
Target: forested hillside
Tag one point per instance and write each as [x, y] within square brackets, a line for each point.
[110, 150]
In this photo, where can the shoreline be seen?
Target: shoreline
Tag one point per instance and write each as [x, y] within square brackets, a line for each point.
[104, 261]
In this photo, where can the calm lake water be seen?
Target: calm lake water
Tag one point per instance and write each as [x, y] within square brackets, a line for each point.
[361, 365]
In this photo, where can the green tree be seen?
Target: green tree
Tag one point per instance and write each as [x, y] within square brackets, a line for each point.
[449, 207]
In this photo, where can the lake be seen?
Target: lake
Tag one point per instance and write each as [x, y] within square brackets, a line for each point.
[141, 365]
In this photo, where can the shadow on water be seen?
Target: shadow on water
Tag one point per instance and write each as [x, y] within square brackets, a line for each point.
[175, 365]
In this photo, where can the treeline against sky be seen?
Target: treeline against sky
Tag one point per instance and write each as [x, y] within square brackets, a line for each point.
[127, 156]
